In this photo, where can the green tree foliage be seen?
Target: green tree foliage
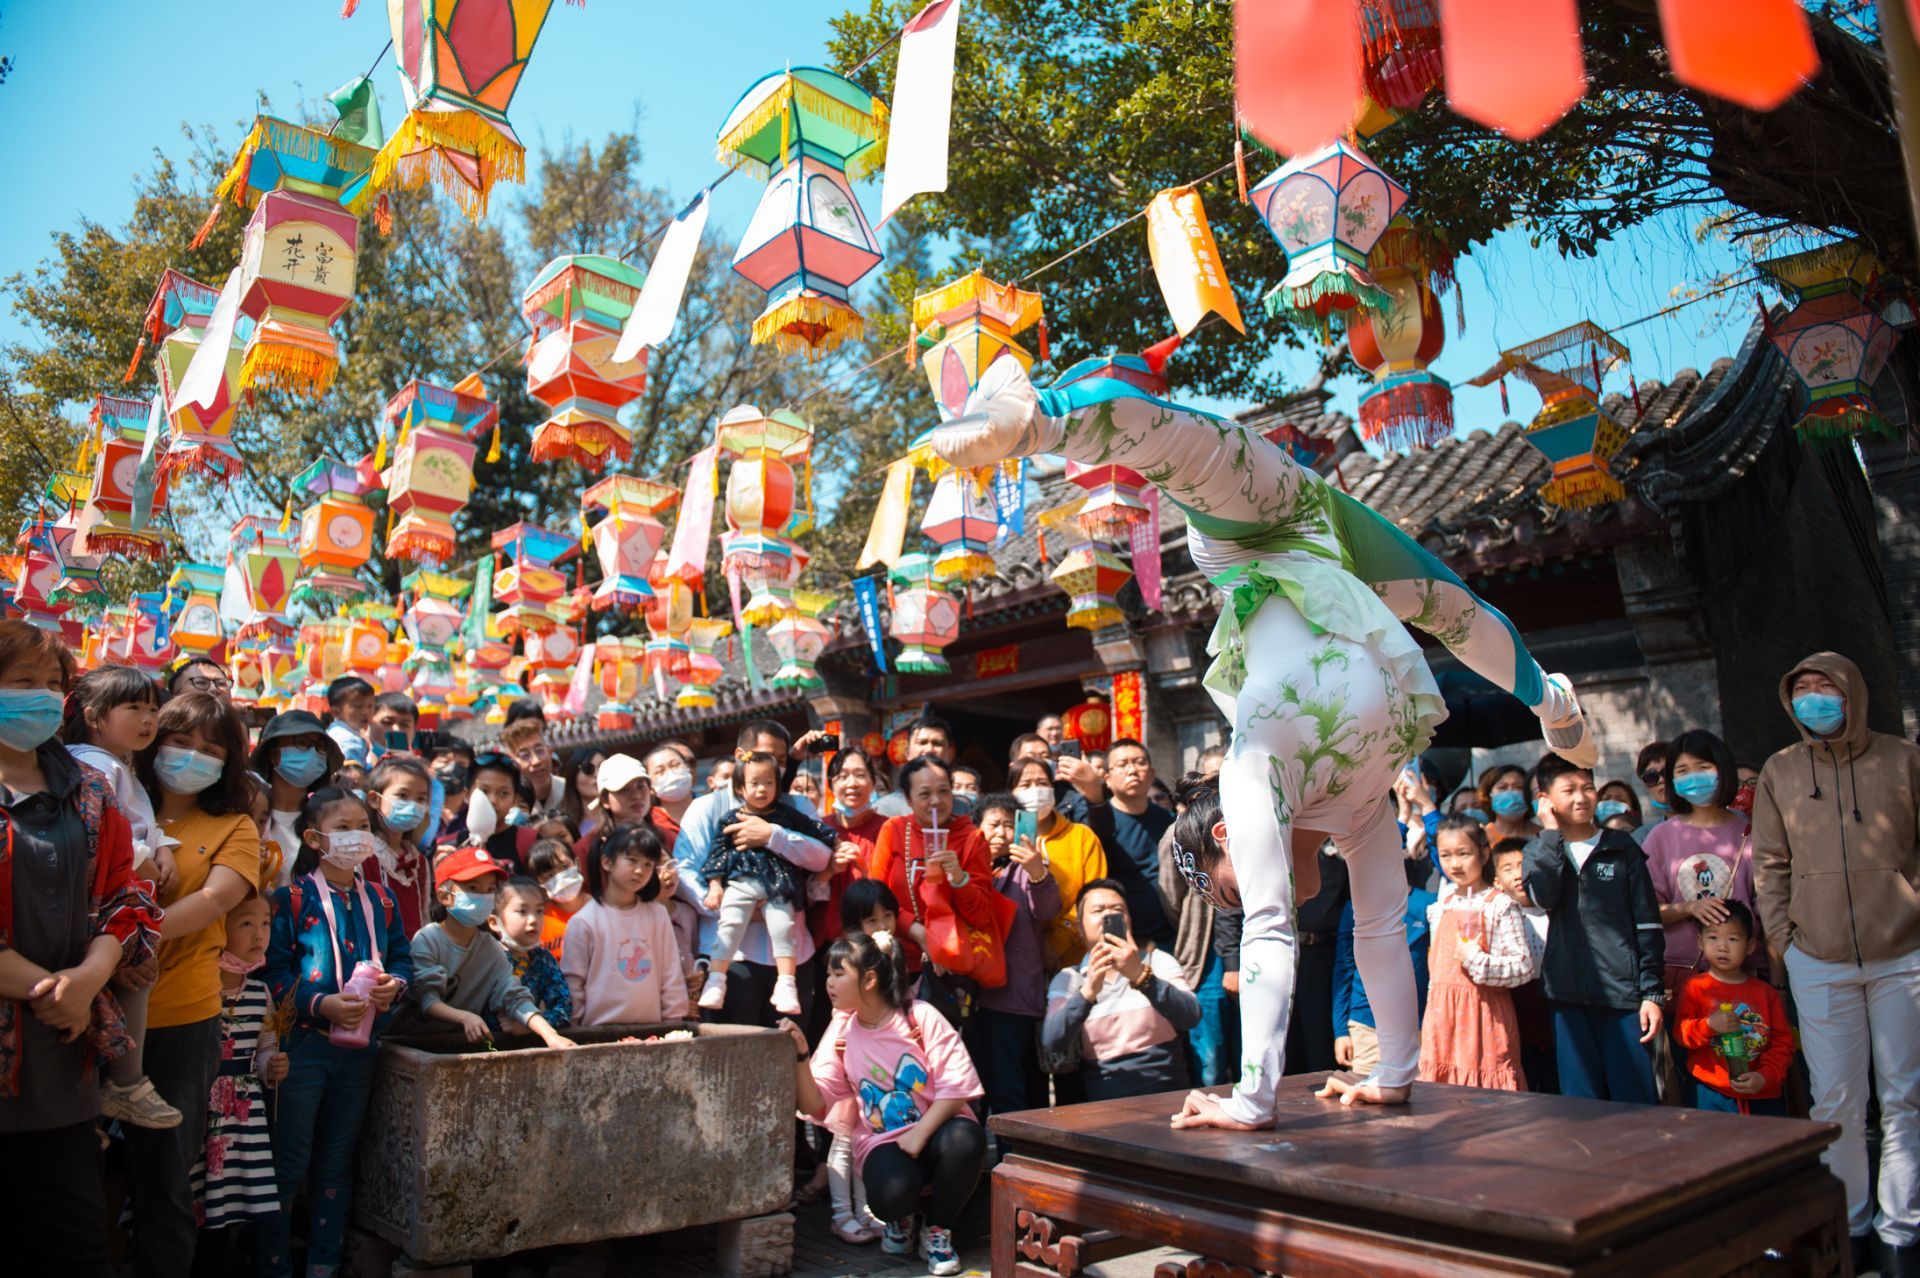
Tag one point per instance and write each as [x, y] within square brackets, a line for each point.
[1070, 114]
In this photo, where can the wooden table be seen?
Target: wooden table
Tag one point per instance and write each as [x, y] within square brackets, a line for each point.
[1460, 1182]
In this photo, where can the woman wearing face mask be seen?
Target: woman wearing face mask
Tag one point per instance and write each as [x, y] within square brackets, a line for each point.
[195, 771]
[1503, 793]
[672, 778]
[850, 778]
[326, 923]
[295, 755]
[57, 953]
[1700, 858]
[1074, 855]
[398, 791]
[1618, 807]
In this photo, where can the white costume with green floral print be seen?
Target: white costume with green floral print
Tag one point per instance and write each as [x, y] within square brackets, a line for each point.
[1327, 692]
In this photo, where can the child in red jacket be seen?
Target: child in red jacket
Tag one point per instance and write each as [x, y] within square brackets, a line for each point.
[1734, 1025]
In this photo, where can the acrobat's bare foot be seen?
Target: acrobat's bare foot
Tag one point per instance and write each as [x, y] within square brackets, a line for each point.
[1203, 1109]
[1363, 1092]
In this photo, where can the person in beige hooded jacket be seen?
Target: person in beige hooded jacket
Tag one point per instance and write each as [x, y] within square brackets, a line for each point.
[1836, 855]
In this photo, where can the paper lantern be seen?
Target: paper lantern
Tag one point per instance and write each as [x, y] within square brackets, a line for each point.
[964, 327]
[198, 439]
[810, 131]
[1145, 372]
[194, 594]
[336, 531]
[703, 662]
[123, 486]
[33, 577]
[432, 472]
[268, 562]
[1400, 58]
[669, 614]
[762, 495]
[530, 586]
[613, 716]
[1570, 430]
[363, 644]
[1833, 339]
[1327, 209]
[1092, 576]
[1407, 406]
[925, 618]
[628, 536]
[77, 579]
[962, 520]
[577, 307]
[800, 637]
[1090, 723]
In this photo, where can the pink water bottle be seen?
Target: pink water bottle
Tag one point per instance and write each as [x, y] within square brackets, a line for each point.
[365, 976]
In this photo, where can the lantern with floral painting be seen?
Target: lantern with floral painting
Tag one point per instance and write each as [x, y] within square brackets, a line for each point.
[77, 580]
[704, 636]
[800, 637]
[577, 306]
[530, 586]
[1834, 339]
[1570, 430]
[1327, 209]
[962, 520]
[336, 531]
[627, 536]
[193, 593]
[811, 132]
[925, 618]
[1090, 723]
[432, 622]
[437, 430]
[1407, 406]
[763, 494]
[198, 439]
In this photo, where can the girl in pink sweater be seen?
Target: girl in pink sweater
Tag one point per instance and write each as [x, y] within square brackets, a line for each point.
[621, 961]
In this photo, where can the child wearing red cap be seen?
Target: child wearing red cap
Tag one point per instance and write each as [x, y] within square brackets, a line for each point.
[461, 975]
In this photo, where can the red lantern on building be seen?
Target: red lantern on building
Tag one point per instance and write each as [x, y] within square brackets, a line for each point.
[1090, 723]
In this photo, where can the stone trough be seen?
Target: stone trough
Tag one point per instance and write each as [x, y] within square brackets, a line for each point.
[475, 1155]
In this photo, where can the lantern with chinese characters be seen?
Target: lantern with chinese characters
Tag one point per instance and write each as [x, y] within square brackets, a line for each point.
[925, 618]
[961, 521]
[1833, 339]
[628, 536]
[336, 531]
[1327, 208]
[198, 439]
[268, 563]
[762, 495]
[299, 253]
[703, 662]
[194, 590]
[964, 327]
[800, 637]
[432, 472]
[530, 586]
[1570, 430]
[810, 131]
[577, 306]
[126, 489]
[1090, 723]
[460, 62]
[1407, 406]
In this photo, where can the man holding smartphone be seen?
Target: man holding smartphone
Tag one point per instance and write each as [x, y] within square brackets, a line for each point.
[1129, 825]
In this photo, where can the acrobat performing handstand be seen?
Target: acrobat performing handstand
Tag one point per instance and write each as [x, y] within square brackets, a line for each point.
[1327, 693]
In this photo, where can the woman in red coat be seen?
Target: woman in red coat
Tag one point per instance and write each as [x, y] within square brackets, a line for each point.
[850, 776]
[901, 860]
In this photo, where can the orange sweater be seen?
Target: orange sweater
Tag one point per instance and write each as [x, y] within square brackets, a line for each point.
[1763, 1018]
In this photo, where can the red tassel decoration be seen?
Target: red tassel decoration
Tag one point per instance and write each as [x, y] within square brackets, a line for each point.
[1766, 318]
[1505, 408]
[1239, 160]
[1043, 338]
[206, 227]
[346, 10]
[1593, 354]
[1043, 545]
[1633, 388]
[383, 214]
[133, 365]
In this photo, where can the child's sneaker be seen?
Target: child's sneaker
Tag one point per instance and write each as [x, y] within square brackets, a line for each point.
[714, 996]
[936, 1248]
[139, 1105]
[898, 1239]
[786, 996]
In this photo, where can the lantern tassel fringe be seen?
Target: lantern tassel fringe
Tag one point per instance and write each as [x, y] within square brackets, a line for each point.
[814, 102]
[1329, 286]
[301, 370]
[588, 443]
[213, 460]
[1578, 492]
[807, 322]
[412, 157]
[1850, 422]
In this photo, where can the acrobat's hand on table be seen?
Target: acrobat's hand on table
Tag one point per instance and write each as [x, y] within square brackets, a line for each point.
[1203, 1109]
[1350, 1091]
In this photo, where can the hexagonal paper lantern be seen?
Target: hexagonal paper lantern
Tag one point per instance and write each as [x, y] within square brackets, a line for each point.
[198, 439]
[268, 565]
[432, 472]
[800, 637]
[1407, 406]
[925, 618]
[336, 530]
[195, 593]
[669, 614]
[1327, 209]
[704, 670]
[1092, 576]
[363, 647]
[530, 586]
[577, 307]
[1570, 430]
[1115, 500]
[964, 327]
[962, 520]
[763, 494]
[1833, 339]
[628, 536]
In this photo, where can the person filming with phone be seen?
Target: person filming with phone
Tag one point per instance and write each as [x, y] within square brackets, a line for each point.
[1123, 1008]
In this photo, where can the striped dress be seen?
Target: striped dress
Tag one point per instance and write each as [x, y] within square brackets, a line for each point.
[233, 1177]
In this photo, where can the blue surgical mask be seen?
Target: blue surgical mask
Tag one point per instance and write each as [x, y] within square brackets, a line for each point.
[186, 771]
[516, 816]
[1821, 713]
[1509, 804]
[29, 716]
[1608, 809]
[470, 909]
[405, 814]
[1698, 787]
[301, 765]
[1658, 806]
[1478, 814]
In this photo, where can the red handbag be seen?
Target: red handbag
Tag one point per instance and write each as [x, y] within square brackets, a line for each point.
[957, 945]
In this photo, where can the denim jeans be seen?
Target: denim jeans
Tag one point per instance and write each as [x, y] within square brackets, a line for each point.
[323, 1101]
[1215, 1040]
[181, 1062]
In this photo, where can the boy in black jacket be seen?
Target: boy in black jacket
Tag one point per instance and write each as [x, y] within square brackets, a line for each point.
[1606, 950]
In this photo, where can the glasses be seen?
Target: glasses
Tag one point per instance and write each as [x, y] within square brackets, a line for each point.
[209, 683]
[1651, 776]
[533, 753]
[1130, 765]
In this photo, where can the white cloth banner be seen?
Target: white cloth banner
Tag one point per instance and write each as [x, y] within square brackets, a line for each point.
[207, 370]
[922, 107]
[659, 304]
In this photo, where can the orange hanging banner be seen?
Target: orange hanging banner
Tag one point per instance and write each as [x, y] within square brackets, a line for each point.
[1754, 52]
[1186, 261]
[1296, 70]
[1129, 706]
[1512, 67]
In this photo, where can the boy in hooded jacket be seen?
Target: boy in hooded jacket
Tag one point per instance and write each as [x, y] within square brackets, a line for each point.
[1836, 857]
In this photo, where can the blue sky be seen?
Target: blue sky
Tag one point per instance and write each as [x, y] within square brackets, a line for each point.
[99, 85]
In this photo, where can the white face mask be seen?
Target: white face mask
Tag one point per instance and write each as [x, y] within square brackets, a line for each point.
[674, 785]
[1037, 799]
[564, 886]
[346, 849]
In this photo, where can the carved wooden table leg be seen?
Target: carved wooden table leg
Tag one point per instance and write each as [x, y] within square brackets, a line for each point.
[757, 1247]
